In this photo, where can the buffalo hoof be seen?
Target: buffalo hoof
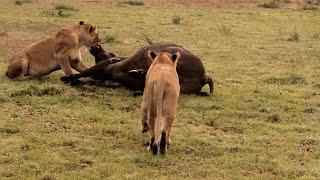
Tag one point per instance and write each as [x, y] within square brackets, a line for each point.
[137, 93]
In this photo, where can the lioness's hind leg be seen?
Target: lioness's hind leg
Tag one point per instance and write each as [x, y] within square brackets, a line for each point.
[168, 114]
[153, 144]
[144, 120]
[163, 143]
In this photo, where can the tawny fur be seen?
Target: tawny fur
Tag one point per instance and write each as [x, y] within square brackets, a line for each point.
[160, 99]
[59, 52]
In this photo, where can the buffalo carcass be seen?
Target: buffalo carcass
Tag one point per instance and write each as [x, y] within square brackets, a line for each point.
[130, 72]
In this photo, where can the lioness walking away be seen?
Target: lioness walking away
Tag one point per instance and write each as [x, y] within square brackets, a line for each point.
[59, 52]
[160, 99]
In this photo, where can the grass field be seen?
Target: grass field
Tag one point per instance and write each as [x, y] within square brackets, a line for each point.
[262, 121]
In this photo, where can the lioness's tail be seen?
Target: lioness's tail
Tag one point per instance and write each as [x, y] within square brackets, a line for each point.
[208, 80]
[158, 91]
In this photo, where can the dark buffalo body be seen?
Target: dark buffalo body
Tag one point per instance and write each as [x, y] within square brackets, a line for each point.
[131, 71]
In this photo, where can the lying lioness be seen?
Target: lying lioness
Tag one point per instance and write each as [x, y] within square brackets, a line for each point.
[160, 98]
[59, 52]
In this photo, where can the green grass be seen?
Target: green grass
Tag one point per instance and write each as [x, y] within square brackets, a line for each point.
[294, 36]
[224, 29]
[134, 2]
[107, 38]
[262, 122]
[176, 19]
[270, 4]
[20, 2]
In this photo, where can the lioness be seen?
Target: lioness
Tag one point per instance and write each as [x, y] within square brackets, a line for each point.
[160, 98]
[59, 52]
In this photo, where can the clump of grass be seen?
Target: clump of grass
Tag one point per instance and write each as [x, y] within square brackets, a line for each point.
[316, 36]
[64, 10]
[224, 29]
[134, 2]
[64, 7]
[310, 110]
[304, 142]
[147, 39]
[107, 38]
[274, 118]
[286, 1]
[294, 37]
[176, 19]
[210, 122]
[292, 79]
[20, 2]
[270, 4]
[70, 143]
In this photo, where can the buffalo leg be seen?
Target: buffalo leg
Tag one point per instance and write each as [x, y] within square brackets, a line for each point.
[96, 70]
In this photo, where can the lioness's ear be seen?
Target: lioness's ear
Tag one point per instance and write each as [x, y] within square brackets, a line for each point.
[91, 29]
[175, 56]
[152, 54]
[81, 22]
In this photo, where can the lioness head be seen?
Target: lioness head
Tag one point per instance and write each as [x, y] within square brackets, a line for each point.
[88, 34]
[164, 57]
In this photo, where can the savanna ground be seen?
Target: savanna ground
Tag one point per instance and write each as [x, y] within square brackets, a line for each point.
[262, 121]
